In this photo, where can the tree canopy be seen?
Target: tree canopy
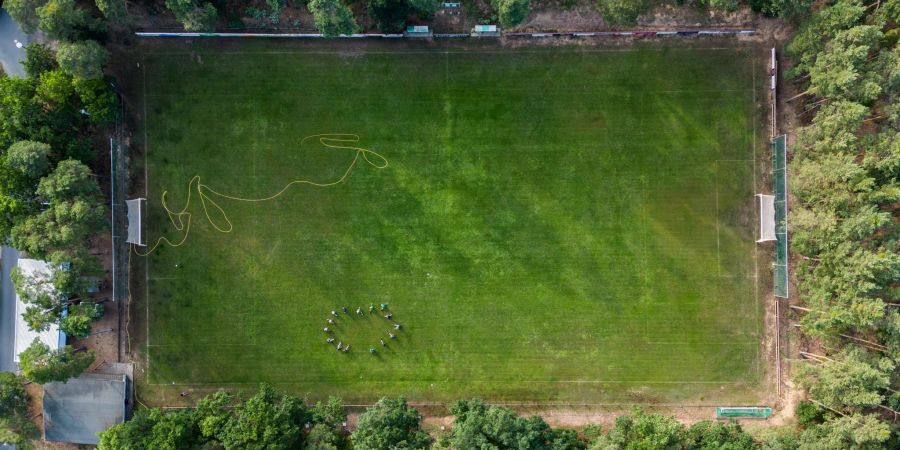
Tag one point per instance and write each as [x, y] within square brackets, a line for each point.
[390, 425]
[40, 364]
[82, 59]
[333, 17]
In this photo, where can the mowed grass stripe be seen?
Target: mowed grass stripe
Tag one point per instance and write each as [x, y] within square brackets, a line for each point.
[547, 219]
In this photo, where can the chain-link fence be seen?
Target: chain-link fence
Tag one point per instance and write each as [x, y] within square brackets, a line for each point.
[779, 176]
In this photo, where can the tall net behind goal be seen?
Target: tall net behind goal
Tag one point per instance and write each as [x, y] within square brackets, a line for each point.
[779, 176]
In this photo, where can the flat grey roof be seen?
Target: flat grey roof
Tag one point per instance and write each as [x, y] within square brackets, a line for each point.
[8, 260]
[77, 410]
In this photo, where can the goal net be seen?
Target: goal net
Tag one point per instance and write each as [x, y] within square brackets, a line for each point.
[135, 221]
[766, 217]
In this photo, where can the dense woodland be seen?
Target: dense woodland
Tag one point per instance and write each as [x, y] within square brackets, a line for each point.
[844, 168]
[68, 20]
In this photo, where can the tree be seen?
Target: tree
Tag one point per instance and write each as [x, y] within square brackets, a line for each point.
[325, 437]
[834, 129]
[389, 15]
[841, 70]
[787, 9]
[643, 431]
[725, 5]
[38, 59]
[327, 432]
[621, 12]
[13, 398]
[73, 213]
[478, 426]
[213, 414]
[849, 380]
[55, 88]
[511, 12]
[193, 15]
[810, 40]
[62, 20]
[390, 425]
[330, 412]
[24, 12]
[332, 17]
[425, 8]
[47, 295]
[41, 365]
[269, 420]
[709, 435]
[853, 432]
[71, 179]
[82, 59]
[25, 116]
[15, 427]
[77, 322]
[154, 429]
[30, 158]
[808, 413]
[63, 225]
[201, 18]
[98, 98]
[113, 10]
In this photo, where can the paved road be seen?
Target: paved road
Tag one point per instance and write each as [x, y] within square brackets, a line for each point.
[8, 258]
[10, 55]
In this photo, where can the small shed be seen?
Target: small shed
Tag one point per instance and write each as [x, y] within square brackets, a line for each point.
[75, 411]
[418, 31]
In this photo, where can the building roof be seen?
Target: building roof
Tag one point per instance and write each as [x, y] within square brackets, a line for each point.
[8, 258]
[75, 411]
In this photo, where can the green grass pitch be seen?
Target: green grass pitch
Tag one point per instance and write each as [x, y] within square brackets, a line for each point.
[571, 225]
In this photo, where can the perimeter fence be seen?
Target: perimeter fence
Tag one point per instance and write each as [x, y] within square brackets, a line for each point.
[779, 180]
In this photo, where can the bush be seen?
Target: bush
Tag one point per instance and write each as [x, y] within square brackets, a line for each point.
[621, 12]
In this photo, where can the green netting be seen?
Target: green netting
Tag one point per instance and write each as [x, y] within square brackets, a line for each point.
[779, 176]
[743, 412]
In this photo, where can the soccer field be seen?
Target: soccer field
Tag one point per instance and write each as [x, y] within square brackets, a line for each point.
[559, 225]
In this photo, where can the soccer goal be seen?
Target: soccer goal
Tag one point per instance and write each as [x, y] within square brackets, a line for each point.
[766, 218]
[136, 208]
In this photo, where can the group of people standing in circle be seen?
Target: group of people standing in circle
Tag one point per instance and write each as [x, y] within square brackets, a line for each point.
[335, 315]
